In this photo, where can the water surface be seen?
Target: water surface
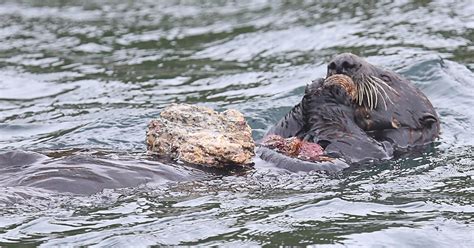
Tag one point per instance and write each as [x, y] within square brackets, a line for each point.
[80, 81]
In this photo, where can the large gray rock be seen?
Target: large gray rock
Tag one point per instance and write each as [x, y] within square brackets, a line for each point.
[200, 135]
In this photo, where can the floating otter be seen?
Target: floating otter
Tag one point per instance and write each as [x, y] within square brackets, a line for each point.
[361, 112]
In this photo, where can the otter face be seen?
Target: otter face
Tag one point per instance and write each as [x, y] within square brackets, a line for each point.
[345, 91]
[360, 111]
[384, 101]
[371, 90]
[346, 63]
[371, 95]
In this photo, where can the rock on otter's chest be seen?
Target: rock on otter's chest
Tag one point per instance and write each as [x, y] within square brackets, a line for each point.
[200, 135]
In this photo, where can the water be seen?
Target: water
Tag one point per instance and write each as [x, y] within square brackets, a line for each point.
[80, 81]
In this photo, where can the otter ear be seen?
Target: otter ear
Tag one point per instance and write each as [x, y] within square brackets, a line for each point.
[428, 119]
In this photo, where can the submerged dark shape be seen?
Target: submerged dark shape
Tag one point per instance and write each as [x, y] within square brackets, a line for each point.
[361, 112]
[24, 174]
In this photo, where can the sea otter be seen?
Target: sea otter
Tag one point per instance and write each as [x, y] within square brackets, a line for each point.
[361, 112]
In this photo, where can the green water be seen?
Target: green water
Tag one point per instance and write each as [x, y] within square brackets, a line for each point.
[79, 80]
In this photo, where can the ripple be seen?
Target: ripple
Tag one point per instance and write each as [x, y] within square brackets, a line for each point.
[92, 48]
[12, 89]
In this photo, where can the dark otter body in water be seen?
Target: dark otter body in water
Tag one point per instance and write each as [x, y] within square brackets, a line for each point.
[368, 115]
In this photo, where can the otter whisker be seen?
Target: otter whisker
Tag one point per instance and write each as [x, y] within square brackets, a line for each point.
[380, 81]
[376, 93]
[370, 92]
[385, 95]
[370, 98]
[367, 95]
[382, 95]
[360, 95]
[380, 84]
[361, 91]
[374, 87]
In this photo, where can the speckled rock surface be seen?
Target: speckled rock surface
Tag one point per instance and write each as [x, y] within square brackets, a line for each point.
[200, 135]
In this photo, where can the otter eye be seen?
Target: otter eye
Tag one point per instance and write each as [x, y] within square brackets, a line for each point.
[347, 65]
[385, 78]
[332, 66]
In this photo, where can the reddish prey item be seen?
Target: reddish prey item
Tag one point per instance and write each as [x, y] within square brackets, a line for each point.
[294, 147]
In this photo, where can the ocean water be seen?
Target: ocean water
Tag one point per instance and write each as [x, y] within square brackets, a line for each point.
[79, 81]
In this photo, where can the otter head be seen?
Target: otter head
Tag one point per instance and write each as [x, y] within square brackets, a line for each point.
[386, 102]
[371, 90]
[345, 91]
[360, 111]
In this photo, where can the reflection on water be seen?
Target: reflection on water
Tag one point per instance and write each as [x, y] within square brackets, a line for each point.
[79, 82]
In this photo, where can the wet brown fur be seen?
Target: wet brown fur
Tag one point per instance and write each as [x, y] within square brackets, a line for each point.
[361, 112]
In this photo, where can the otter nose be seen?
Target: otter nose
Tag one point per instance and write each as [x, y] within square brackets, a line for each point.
[340, 67]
